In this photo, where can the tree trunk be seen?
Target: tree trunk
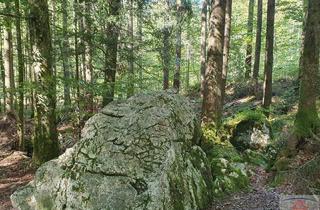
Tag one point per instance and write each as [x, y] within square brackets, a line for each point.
[258, 47]
[305, 13]
[111, 51]
[3, 104]
[212, 100]
[53, 34]
[31, 69]
[88, 67]
[82, 42]
[226, 47]
[165, 54]
[130, 89]
[76, 49]
[249, 39]
[140, 39]
[8, 61]
[267, 87]
[45, 138]
[176, 77]
[188, 64]
[65, 53]
[307, 120]
[21, 71]
[203, 56]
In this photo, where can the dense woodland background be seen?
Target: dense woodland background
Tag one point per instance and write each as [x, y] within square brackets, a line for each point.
[62, 61]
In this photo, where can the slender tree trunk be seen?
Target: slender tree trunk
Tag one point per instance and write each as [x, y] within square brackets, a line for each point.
[21, 71]
[188, 65]
[31, 69]
[212, 100]
[8, 61]
[305, 12]
[176, 77]
[165, 54]
[53, 34]
[130, 90]
[65, 53]
[203, 56]
[112, 36]
[307, 119]
[3, 105]
[140, 39]
[88, 53]
[249, 39]
[45, 138]
[226, 46]
[257, 53]
[82, 42]
[267, 88]
[76, 49]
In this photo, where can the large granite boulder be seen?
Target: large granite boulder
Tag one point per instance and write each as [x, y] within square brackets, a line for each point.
[138, 154]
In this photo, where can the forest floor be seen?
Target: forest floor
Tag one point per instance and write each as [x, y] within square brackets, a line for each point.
[15, 167]
[259, 196]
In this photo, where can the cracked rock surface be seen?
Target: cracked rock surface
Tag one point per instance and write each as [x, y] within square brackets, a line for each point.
[138, 154]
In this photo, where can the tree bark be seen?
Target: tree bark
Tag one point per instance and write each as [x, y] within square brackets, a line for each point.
[203, 56]
[31, 42]
[21, 71]
[212, 100]
[3, 104]
[305, 12]
[8, 62]
[249, 39]
[307, 119]
[45, 138]
[226, 46]
[65, 53]
[257, 53]
[267, 87]
[111, 45]
[88, 67]
[53, 34]
[76, 49]
[130, 89]
[140, 39]
[165, 54]
[176, 76]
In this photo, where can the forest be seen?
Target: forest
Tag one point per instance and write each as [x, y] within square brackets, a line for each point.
[159, 104]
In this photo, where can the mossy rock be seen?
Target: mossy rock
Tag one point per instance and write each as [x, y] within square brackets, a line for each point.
[249, 130]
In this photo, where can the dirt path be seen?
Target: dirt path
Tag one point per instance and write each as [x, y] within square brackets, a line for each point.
[259, 197]
[15, 167]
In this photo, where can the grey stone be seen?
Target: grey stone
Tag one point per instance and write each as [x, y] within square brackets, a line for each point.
[138, 154]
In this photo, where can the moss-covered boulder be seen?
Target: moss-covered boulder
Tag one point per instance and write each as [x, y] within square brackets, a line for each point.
[138, 154]
[249, 130]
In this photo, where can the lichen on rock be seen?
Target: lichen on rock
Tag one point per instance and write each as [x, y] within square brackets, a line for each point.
[138, 154]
